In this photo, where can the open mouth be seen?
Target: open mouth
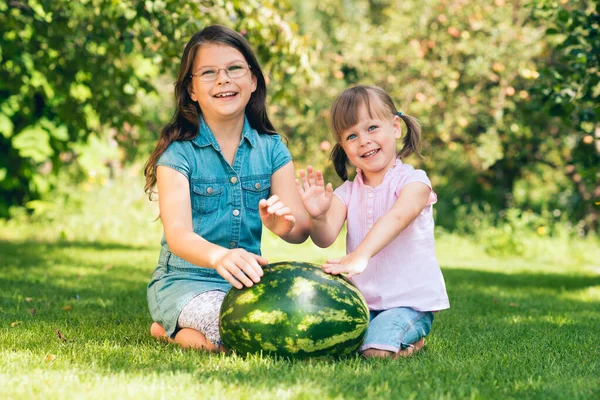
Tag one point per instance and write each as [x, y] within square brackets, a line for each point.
[370, 153]
[225, 95]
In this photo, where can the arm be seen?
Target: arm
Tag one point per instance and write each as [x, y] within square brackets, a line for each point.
[237, 266]
[327, 213]
[283, 213]
[411, 201]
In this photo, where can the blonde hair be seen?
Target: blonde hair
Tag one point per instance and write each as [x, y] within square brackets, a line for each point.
[344, 115]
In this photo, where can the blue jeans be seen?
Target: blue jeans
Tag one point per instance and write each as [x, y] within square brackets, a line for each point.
[396, 329]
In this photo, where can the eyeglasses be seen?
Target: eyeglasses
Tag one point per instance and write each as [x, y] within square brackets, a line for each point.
[210, 74]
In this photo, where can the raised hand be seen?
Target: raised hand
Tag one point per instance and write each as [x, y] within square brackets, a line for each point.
[349, 265]
[240, 268]
[276, 216]
[315, 196]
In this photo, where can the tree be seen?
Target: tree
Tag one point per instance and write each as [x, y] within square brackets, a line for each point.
[569, 89]
[69, 69]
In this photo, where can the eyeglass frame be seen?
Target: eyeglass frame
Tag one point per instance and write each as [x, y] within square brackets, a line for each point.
[195, 74]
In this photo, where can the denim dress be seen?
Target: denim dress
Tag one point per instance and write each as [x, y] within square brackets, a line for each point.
[224, 202]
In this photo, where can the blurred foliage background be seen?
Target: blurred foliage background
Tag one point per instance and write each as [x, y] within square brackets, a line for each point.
[507, 92]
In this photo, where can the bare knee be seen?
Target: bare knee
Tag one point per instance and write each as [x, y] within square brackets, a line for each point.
[374, 353]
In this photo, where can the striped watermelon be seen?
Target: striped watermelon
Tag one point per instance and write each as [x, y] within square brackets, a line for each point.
[296, 310]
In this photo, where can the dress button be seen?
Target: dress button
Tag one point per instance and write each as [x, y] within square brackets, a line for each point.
[233, 180]
[232, 244]
[370, 211]
[257, 185]
[370, 195]
[236, 213]
[209, 190]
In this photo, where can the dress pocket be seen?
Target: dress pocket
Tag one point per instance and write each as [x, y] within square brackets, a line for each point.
[206, 197]
[255, 189]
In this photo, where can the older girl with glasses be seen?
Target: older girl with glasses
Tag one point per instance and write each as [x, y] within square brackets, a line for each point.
[221, 172]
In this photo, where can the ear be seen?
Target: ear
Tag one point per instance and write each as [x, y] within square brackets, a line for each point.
[254, 83]
[397, 127]
[190, 89]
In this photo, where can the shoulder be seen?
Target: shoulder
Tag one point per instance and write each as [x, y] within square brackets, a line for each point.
[269, 139]
[406, 173]
[273, 150]
[177, 151]
[178, 156]
[345, 190]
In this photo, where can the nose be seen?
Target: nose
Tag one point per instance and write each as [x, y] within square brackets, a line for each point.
[222, 77]
[364, 139]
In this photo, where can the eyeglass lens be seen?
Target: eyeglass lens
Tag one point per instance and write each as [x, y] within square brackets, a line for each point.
[233, 71]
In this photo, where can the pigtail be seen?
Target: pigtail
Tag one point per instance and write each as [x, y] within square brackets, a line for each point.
[412, 139]
[340, 161]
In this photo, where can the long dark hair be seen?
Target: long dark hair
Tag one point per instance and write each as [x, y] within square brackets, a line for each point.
[344, 115]
[186, 120]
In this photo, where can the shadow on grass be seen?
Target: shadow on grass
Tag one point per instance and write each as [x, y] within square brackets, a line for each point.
[568, 281]
[29, 245]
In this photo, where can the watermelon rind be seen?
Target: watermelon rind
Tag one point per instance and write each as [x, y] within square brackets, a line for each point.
[296, 310]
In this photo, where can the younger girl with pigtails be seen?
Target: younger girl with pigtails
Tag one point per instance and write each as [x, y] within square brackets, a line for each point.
[390, 247]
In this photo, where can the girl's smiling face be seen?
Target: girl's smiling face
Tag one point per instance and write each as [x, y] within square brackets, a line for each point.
[370, 144]
[225, 97]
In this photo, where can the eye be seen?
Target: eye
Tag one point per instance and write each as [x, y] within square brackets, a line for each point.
[208, 72]
[351, 136]
[372, 128]
[235, 67]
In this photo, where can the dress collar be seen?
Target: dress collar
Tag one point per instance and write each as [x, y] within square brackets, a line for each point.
[206, 137]
[360, 175]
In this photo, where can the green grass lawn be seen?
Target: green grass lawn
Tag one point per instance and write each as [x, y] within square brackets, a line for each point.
[518, 328]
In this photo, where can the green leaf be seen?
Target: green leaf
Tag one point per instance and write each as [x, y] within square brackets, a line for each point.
[58, 132]
[33, 142]
[6, 126]
[80, 92]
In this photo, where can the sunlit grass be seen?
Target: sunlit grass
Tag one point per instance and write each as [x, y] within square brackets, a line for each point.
[515, 329]
[519, 327]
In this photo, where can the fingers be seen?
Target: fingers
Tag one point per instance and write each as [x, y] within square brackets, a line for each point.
[261, 260]
[319, 179]
[229, 278]
[329, 191]
[299, 188]
[334, 267]
[270, 201]
[274, 206]
[241, 274]
[251, 267]
[305, 183]
[241, 268]
[311, 176]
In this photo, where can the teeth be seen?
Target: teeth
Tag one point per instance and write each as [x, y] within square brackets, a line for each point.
[370, 153]
[228, 94]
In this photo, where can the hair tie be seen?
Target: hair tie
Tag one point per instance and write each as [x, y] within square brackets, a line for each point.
[399, 113]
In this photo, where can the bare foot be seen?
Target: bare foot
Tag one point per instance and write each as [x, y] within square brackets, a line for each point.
[375, 353]
[410, 351]
[159, 332]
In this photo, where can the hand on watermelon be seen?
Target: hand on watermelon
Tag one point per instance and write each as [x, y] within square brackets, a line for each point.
[276, 216]
[315, 196]
[240, 268]
[349, 265]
